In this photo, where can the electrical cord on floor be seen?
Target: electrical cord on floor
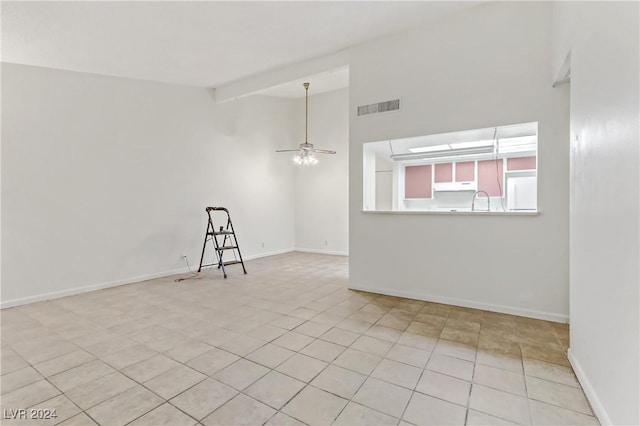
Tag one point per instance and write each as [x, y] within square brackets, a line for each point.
[195, 275]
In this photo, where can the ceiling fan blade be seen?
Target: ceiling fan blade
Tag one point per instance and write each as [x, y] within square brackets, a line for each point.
[287, 150]
[324, 151]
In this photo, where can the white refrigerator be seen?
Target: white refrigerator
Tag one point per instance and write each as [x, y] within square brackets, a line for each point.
[522, 193]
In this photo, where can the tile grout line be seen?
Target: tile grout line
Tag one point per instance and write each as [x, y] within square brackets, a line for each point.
[367, 377]
[314, 377]
[473, 374]
[425, 366]
[524, 377]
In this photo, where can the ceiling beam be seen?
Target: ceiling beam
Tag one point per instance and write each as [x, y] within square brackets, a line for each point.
[274, 77]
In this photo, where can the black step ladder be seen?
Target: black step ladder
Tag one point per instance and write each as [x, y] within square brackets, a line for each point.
[229, 242]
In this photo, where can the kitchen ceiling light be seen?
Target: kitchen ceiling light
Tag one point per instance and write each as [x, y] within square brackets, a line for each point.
[475, 144]
[444, 153]
[304, 156]
[429, 149]
[453, 146]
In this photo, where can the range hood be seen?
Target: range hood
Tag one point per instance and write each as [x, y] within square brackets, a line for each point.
[455, 186]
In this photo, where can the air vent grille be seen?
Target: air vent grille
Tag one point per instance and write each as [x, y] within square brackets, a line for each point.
[379, 107]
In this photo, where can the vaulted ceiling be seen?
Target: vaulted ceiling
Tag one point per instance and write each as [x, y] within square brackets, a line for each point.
[197, 43]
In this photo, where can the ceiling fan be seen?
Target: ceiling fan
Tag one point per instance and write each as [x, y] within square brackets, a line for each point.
[306, 150]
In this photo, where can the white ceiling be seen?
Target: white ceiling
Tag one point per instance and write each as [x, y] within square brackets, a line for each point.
[198, 43]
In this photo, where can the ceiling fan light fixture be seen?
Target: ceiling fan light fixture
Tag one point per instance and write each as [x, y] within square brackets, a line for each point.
[305, 153]
[305, 158]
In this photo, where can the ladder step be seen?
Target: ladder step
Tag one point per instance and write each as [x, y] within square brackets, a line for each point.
[227, 248]
[230, 262]
[221, 233]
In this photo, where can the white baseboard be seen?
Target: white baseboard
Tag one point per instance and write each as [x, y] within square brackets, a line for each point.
[335, 253]
[271, 253]
[590, 393]
[77, 290]
[71, 291]
[530, 313]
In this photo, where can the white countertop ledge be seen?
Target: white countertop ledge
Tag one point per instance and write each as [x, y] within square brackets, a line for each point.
[451, 213]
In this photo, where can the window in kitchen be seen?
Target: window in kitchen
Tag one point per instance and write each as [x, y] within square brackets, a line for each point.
[493, 169]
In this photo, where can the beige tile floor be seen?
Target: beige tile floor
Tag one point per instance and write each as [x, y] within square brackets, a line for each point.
[287, 344]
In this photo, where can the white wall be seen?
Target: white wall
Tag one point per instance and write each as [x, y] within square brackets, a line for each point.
[322, 191]
[105, 180]
[486, 66]
[603, 38]
[384, 189]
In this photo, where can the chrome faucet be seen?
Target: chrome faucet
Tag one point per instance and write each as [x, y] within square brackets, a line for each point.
[473, 201]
